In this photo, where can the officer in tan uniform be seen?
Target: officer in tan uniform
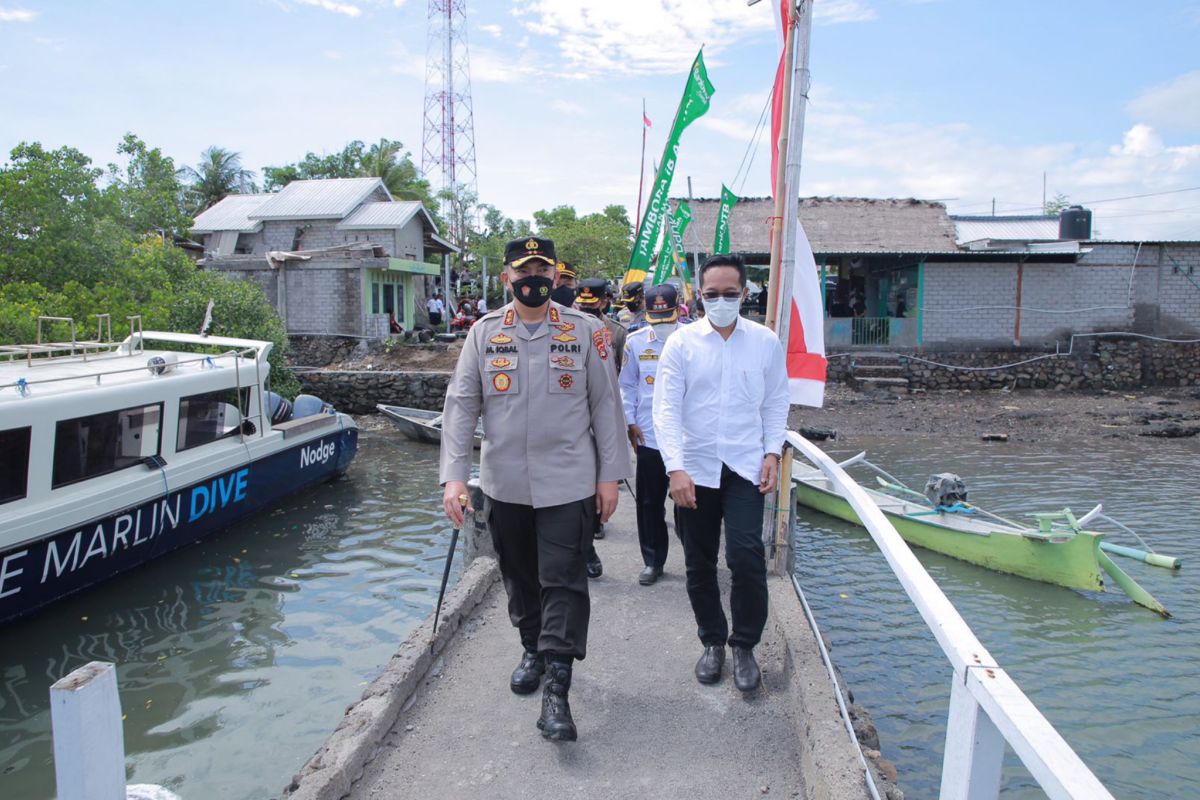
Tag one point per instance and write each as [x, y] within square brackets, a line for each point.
[529, 367]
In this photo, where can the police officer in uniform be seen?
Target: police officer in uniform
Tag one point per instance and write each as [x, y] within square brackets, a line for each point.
[528, 367]
[642, 349]
[593, 297]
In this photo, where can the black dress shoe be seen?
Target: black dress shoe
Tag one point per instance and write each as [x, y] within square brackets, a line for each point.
[649, 575]
[708, 668]
[599, 532]
[527, 677]
[556, 723]
[594, 568]
[746, 675]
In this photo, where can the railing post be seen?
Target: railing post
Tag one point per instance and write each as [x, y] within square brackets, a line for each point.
[974, 749]
[89, 747]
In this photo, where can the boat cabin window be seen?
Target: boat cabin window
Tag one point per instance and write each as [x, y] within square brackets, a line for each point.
[14, 467]
[87, 447]
[207, 417]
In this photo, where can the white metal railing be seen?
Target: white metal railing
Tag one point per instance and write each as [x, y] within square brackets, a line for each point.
[987, 708]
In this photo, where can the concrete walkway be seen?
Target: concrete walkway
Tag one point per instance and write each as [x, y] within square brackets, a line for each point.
[646, 727]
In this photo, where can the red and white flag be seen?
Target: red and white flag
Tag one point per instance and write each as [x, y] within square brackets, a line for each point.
[645, 119]
[806, 363]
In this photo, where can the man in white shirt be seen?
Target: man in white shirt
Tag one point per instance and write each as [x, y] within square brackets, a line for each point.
[638, 375]
[720, 415]
[435, 308]
[482, 305]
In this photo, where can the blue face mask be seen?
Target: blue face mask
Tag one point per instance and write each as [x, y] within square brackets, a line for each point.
[722, 311]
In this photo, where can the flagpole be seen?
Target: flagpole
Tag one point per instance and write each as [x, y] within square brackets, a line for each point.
[802, 32]
[637, 212]
[781, 187]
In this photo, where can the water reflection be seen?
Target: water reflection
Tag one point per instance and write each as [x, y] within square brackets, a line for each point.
[237, 657]
[1119, 683]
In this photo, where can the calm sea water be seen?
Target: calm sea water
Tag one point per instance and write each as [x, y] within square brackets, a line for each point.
[1119, 683]
[236, 657]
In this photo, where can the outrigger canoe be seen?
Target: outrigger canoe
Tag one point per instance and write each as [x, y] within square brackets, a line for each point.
[1059, 550]
[420, 425]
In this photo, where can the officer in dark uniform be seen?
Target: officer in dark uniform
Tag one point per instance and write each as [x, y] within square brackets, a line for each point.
[634, 294]
[528, 367]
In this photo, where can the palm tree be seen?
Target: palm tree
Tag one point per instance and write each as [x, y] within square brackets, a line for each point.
[218, 174]
[391, 163]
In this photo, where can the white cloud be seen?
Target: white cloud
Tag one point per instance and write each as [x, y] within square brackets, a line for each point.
[1174, 103]
[833, 12]
[1140, 140]
[495, 30]
[346, 9]
[17, 15]
[568, 108]
[494, 66]
[627, 36]
[332, 55]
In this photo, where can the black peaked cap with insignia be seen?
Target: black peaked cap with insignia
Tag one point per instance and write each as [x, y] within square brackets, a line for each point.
[592, 292]
[518, 251]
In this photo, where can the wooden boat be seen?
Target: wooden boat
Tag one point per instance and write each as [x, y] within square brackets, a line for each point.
[421, 425]
[1059, 550]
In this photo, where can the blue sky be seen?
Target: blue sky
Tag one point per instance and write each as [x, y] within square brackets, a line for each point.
[958, 100]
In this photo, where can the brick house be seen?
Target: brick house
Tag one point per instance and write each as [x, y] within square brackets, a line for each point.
[335, 257]
[929, 279]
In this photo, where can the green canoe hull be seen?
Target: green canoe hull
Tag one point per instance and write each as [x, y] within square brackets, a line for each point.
[1073, 563]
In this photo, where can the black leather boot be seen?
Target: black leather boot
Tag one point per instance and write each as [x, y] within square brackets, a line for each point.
[746, 675]
[527, 677]
[555, 722]
[594, 568]
[708, 668]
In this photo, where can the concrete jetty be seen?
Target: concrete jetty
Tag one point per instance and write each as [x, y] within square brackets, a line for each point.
[441, 721]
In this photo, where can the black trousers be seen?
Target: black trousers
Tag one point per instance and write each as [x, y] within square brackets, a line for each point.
[652, 485]
[740, 505]
[542, 554]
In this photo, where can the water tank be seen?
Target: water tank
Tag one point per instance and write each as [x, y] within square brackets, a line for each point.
[1075, 222]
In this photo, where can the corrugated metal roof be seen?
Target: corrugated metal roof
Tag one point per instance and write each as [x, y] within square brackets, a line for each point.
[372, 216]
[327, 198]
[231, 214]
[1018, 229]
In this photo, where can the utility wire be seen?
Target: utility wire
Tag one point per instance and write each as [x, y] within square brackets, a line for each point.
[752, 145]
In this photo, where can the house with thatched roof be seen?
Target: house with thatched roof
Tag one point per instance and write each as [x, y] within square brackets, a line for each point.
[905, 273]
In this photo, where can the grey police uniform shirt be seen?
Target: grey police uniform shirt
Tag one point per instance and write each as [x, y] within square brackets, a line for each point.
[549, 405]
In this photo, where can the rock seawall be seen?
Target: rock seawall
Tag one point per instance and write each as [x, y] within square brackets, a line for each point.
[1115, 363]
[359, 392]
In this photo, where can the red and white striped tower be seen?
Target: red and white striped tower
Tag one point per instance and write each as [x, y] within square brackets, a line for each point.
[448, 150]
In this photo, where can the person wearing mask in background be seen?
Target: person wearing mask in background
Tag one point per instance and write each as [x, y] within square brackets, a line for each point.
[592, 298]
[720, 414]
[539, 374]
[642, 350]
[633, 294]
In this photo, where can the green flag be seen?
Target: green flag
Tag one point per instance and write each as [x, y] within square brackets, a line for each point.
[721, 237]
[672, 253]
[697, 96]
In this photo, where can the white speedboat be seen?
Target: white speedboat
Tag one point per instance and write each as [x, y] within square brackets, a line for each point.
[114, 454]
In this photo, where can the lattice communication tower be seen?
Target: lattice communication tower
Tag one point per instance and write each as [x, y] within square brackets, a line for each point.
[448, 151]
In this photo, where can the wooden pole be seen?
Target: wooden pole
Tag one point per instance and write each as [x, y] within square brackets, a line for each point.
[789, 47]
[89, 746]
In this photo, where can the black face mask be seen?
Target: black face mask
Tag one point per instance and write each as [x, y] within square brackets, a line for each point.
[532, 290]
[563, 295]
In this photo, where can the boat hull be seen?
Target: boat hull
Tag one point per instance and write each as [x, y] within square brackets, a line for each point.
[38, 572]
[1073, 563]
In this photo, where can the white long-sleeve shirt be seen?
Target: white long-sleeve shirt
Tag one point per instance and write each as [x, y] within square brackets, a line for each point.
[720, 401]
[639, 372]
